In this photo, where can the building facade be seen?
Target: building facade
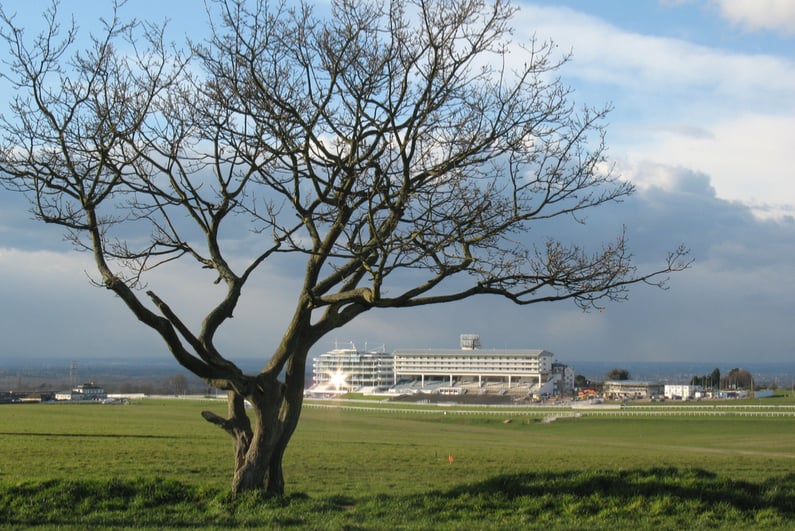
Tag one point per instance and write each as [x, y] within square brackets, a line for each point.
[344, 370]
[631, 389]
[446, 371]
[563, 378]
[86, 391]
[462, 366]
[682, 392]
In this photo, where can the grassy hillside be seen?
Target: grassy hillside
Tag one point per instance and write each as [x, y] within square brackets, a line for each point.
[157, 464]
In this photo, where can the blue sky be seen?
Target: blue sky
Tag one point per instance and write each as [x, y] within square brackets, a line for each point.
[703, 124]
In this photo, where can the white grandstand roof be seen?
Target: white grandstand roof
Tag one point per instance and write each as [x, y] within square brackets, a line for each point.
[473, 353]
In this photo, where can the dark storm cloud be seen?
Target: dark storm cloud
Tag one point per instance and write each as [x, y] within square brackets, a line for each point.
[735, 300]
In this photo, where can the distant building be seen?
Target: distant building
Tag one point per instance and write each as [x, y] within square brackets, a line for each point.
[445, 371]
[343, 370]
[82, 392]
[506, 368]
[563, 375]
[631, 389]
[682, 392]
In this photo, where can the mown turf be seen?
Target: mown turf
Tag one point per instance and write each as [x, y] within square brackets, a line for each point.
[158, 465]
[661, 498]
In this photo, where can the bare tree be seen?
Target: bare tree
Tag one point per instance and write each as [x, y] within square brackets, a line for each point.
[617, 374]
[395, 148]
[178, 384]
[737, 379]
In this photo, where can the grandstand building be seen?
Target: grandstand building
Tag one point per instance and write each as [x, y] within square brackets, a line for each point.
[343, 370]
[468, 369]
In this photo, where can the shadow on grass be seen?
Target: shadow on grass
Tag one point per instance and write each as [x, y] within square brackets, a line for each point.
[26, 435]
[665, 498]
[685, 485]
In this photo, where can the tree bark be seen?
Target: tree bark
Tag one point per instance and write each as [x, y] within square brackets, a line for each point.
[259, 450]
[288, 418]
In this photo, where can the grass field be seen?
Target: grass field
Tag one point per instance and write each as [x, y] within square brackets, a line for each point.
[157, 464]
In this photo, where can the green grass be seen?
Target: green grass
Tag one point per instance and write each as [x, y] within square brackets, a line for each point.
[158, 465]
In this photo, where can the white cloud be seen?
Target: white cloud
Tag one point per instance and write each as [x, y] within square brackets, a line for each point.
[750, 157]
[756, 15]
[605, 53]
[48, 266]
[50, 308]
[673, 180]
[726, 114]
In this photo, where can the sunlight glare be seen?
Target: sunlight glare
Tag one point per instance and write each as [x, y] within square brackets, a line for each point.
[338, 379]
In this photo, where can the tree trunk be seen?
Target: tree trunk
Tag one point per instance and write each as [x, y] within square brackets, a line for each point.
[253, 466]
[288, 418]
[290, 412]
[276, 408]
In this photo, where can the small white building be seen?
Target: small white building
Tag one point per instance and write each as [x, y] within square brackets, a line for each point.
[682, 392]
[82, 392]
[631, 389]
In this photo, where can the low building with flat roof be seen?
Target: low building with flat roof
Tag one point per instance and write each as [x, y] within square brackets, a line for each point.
[682, 392]
[618, 389]
[481, 366]
[86, 391]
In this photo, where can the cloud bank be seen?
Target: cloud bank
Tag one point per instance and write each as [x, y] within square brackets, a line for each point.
[702, 130]
[724, 113]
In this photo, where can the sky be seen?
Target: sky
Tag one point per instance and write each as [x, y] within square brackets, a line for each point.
[703, 123]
